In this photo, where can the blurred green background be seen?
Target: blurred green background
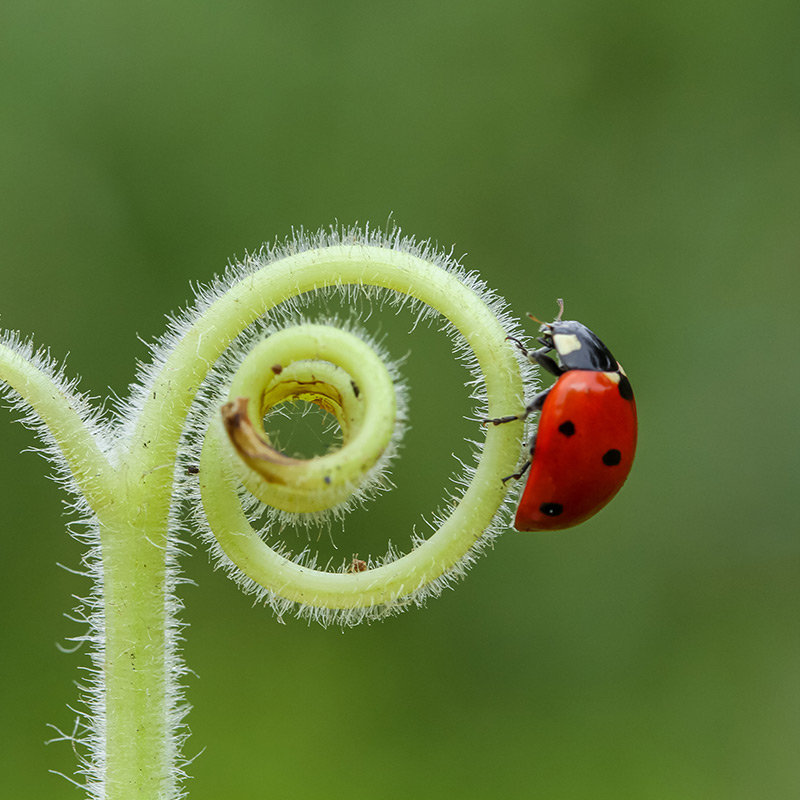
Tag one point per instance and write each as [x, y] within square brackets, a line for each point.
[641, 161]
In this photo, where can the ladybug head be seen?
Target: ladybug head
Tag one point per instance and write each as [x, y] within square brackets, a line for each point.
[577, 347]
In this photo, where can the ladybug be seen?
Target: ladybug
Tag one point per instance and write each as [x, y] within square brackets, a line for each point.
[583, 448]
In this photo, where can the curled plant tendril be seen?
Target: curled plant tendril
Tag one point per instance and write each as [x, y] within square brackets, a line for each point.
[192, 431]
[339, 372]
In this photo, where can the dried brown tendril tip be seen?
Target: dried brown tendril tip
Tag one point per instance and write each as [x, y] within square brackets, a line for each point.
[246, 439]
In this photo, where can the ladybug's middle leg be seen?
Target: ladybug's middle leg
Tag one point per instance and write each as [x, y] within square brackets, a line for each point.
[535, 405]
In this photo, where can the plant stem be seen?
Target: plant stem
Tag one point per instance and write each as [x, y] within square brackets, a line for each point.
[138, 752]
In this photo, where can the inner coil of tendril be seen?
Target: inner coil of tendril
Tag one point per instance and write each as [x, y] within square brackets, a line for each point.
[289, 402]
[311, 491]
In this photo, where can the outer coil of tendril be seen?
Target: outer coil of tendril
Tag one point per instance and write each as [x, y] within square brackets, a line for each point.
[340, 373]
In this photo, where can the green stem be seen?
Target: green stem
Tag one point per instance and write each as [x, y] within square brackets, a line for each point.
[140, 745]
[57, 408]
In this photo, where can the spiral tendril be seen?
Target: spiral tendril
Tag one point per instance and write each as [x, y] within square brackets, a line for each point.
[192, 432]
[241, 474]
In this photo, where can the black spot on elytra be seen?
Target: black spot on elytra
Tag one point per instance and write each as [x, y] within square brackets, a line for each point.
[567, 428]
[625, 388]
[551, 509]
[612, 457]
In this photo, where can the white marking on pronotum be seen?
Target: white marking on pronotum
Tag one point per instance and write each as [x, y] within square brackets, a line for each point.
[566, 343]
[613, 376]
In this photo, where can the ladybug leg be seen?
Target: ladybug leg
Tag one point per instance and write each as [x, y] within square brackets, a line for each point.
[517, 475]
[535, 405]
[539, 356]
[521, 347]
[545, 361]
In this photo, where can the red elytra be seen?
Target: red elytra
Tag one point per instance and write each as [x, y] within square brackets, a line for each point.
[585, 444]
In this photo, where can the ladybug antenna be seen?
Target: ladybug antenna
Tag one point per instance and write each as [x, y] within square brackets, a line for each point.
[558, 317]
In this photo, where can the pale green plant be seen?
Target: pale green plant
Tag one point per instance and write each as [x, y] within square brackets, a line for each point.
[191, 433]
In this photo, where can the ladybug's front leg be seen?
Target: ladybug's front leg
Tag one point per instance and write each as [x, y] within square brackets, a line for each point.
[539, 356]
[545, 361]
